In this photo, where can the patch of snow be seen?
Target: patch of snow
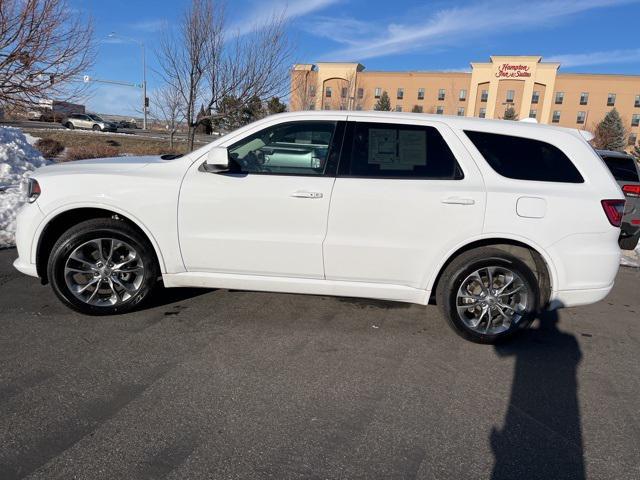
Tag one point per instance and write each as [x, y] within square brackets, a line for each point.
[17, 160]
[31, 140]
[631, 258]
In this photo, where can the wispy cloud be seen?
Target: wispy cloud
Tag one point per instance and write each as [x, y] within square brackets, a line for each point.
[596, 58]
[451, 26]
[264, 11]
[149, 26]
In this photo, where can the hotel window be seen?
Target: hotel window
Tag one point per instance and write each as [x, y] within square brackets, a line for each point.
[484, 96]
[421, 94]
[378, 92]
[559, 98]
[312, 91]
[510, 95]
[633, 138]
[635, 120]
[343, 107]
[312, 106]
[417, 109]
[581, 117]
[400, 94]
[358, 107]
[482, 113]
[361, 93]
[533, 113]
[328, 92]
[463, 95]
[461, 111]
[343, 92]
[637, 102]
[584, 98]
[439, 109]
[556, 116]
[535, 97]
[441, 94]
[398, 108]
[327, 106]
[611, 100]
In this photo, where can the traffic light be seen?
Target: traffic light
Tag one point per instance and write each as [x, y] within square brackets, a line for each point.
[146, 102]
[52, 78]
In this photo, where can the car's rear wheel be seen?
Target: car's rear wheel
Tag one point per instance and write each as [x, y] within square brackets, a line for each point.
[69, 125]
[487, 295]
[102, 267]
[630, 243]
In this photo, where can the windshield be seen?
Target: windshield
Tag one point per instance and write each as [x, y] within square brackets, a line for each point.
[95, 117]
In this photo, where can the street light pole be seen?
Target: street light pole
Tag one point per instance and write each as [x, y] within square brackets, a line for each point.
[144, 74]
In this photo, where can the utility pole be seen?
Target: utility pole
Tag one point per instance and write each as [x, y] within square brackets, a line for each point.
[145, 100]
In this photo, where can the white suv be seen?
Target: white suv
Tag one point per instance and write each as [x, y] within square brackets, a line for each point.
[493, 220]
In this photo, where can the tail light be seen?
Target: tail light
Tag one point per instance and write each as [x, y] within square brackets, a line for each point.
[614, 209]
[631, 190]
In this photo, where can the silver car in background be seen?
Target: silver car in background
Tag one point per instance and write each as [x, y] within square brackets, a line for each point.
[89, 121]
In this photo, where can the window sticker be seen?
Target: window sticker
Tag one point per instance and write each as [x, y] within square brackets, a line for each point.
[412, 151]
[382, 146]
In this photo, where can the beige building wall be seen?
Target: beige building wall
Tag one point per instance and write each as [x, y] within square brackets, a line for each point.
[354, 88]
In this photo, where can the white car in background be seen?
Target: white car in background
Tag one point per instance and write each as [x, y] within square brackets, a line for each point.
[495, 220]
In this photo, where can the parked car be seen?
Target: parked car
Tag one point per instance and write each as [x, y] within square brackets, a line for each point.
[626, 171]
[127, 124]
[89, 121]
[492, 220]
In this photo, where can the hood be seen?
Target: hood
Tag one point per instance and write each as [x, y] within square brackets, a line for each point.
[98, 165]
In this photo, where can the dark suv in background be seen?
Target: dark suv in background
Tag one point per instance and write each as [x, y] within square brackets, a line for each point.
[627, 173]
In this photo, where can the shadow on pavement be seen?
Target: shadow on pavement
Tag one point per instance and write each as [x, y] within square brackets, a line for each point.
[166, 296]
[541, 436]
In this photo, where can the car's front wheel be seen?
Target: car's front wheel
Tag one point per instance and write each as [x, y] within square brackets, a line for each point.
[487, 295]
[630, 243]
[69, 125]
[102, 267]
[96, 128]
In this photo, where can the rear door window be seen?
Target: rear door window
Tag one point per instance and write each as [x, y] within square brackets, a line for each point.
[386, 150]
[623, 168]
[524, 158]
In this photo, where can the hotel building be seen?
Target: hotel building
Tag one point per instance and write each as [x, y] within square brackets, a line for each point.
[534, 88]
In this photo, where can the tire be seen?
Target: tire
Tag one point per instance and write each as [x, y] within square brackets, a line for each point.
[465, 283]
[69, 125]
[629, 243]
[119, 289]
[96, 128]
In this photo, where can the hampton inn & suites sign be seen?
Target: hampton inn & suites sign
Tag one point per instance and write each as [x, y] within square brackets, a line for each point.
[508, 70]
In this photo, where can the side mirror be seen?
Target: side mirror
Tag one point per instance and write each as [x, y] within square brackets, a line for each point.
[217, 160]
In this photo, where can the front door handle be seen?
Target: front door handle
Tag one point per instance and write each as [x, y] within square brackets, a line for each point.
[305, 194]
[458, 201]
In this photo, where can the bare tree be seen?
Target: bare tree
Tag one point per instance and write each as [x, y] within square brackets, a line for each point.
[43, 47]
[207, 63]
[168, 107]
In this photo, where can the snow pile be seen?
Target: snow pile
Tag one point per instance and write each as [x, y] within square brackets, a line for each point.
[631, 258]
[17, 160]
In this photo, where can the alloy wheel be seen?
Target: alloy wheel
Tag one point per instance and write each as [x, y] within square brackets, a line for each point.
[492, 299]
[104, 272]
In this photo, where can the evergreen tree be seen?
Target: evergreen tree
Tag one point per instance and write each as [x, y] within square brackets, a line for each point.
[510, 113]
[383, 103]
[204, 124]
[610, 133]
[274, 105]
[636, 152]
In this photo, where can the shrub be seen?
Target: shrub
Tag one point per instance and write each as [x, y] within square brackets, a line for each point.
[49, 147]
[92, 151]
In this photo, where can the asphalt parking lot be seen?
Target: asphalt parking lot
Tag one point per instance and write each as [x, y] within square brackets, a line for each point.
[244, 385]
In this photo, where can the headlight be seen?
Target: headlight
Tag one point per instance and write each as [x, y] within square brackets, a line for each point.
[30, 189]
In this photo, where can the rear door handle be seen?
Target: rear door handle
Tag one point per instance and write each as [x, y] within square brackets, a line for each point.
[458, 201]
[305, 194]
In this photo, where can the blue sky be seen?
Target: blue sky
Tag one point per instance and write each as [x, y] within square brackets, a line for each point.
[586, 36]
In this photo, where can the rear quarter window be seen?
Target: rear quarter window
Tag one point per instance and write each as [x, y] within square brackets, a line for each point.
[524, 158]
[623, 168]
